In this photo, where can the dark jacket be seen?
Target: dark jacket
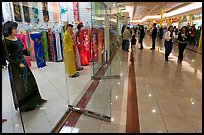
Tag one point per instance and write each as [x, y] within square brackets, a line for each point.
[181, 39]
[133, 41]
[142, 34]
[154, 33]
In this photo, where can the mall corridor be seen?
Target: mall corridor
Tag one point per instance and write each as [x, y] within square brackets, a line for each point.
[168, 94]
[64, 68]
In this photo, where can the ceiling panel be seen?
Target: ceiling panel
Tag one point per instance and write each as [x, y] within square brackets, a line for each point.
[142, 9]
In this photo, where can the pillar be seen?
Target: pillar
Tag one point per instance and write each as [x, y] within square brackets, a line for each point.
[162, 11]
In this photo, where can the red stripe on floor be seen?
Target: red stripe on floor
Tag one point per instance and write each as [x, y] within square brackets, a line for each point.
[132, 119]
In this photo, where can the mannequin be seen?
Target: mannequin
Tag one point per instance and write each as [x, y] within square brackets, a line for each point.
[76, 52]
[24, 87]
[80, 40]
[23, 39]
[39, 53]
[69, 58]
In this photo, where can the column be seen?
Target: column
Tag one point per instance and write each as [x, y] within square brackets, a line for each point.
[162, 11]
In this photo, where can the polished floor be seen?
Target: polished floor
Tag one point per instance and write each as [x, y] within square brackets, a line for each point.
[169, 95]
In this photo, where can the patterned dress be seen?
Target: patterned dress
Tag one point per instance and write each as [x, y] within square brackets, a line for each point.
[80, 38]
[24, 88]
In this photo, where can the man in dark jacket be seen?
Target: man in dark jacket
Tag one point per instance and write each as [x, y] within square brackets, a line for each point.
[154, 34]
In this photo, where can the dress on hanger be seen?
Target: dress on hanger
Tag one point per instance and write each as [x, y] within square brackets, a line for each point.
[23, 39]
[45, 45]
[39, 53]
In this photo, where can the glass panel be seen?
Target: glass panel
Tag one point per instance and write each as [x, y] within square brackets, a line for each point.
[38, 92]
[97, 38]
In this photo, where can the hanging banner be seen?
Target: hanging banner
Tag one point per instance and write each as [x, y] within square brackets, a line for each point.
[76, 12]
[35, 12]
[55, 12]
[45, 11]
[17, 12]
[63, 11]
[26, 12]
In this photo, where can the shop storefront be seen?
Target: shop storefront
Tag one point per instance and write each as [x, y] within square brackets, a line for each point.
[42, 26]
[197, 20]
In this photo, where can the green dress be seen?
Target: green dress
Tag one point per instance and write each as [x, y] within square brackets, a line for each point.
[24, 88]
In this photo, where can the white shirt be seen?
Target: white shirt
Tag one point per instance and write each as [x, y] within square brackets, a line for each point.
[167, 35]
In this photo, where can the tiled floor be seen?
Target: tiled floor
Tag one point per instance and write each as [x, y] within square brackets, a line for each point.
[169, 95]
[54, 87]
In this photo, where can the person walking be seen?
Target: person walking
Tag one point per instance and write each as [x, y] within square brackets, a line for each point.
[168, 43]
[141, 37]
[182, 42]
[126, 38]
[154, 35]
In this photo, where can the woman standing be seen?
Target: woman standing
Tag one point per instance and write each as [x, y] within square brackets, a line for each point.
[182, 42]
[24, 88]
[168, 43]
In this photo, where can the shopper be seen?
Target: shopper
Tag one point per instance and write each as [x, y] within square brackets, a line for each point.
[123, 28]
[133, 41]
[141, 37]
[69, 59]
[154, 35]
[168, 43]
[192, 34]
[24, 88]
[126, 38]
[161, 32]
[182, 42]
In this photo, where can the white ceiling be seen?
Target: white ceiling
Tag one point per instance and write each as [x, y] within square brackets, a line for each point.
[138, 10]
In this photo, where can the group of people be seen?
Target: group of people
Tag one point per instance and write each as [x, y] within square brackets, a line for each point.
[184, 36]
[128, 34]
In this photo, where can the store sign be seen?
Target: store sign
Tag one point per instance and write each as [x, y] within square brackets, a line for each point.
[175, 20]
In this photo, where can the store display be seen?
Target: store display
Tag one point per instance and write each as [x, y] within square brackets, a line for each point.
[17, 12]
[45, 11]
[26, 12]
[39, 53]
